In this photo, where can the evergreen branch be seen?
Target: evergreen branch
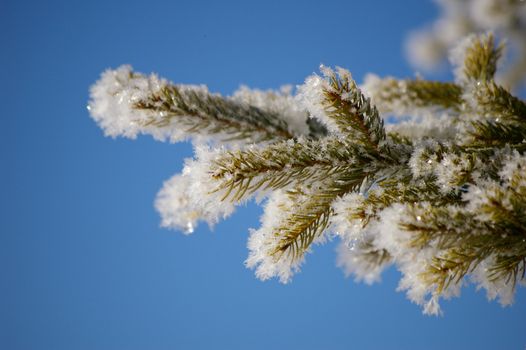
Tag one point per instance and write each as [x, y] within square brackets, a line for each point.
[399, 189]
[284, 104]
[489, 133]
[306, 221]
[493, 100]
[282, 164]
[508, 268]
[451, 266]
[479, 57]
[351, 111]
[126, 103]
[201, 112]
[402, 97]
[439, 210]
[465, 235]
[399, 139]
[495, 204]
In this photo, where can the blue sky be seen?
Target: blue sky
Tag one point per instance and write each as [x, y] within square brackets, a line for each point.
[84, 264]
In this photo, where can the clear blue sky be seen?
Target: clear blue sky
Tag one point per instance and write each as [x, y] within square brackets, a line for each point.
[83, 263]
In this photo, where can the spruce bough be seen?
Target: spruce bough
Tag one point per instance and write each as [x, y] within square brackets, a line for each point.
[440, 193]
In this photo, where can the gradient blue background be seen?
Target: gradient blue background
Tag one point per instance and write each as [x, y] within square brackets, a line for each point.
[83, 263]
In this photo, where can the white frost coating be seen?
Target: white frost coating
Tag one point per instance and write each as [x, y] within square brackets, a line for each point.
[175, 206]
[386, 234]
[407, 119]
[413, 261]
[203, 188]
[351, 256]
[282, 103]
[343, 225]
[112, 99]
[374, 87]
[457, 57]
[500, 288]
[484, 192]
[112, 102]
[263, 241]
[390, 237]
[192, 196]
[449, 169]
[513, 166]
[424, 160]
[513, 175]
[429, 125]
[410, 262]
[472, 95]
[353, 264]
[311, 96]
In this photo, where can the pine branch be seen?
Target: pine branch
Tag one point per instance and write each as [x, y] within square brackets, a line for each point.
[400, 190]
[306, 221]
[284, 104]
[478, 57]
[283, 164]
[497, 134]
[351, 111]
[402, 97]
[493, 100]
[441, 205]
[197, 111]
[492, 226]
[126, 103]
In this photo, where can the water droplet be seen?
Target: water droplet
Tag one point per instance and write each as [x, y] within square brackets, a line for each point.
[419, 218]
[88, 107]
[429, 161]
[189, 227]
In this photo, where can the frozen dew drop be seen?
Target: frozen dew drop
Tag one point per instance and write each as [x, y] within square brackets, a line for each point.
[189, 227]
